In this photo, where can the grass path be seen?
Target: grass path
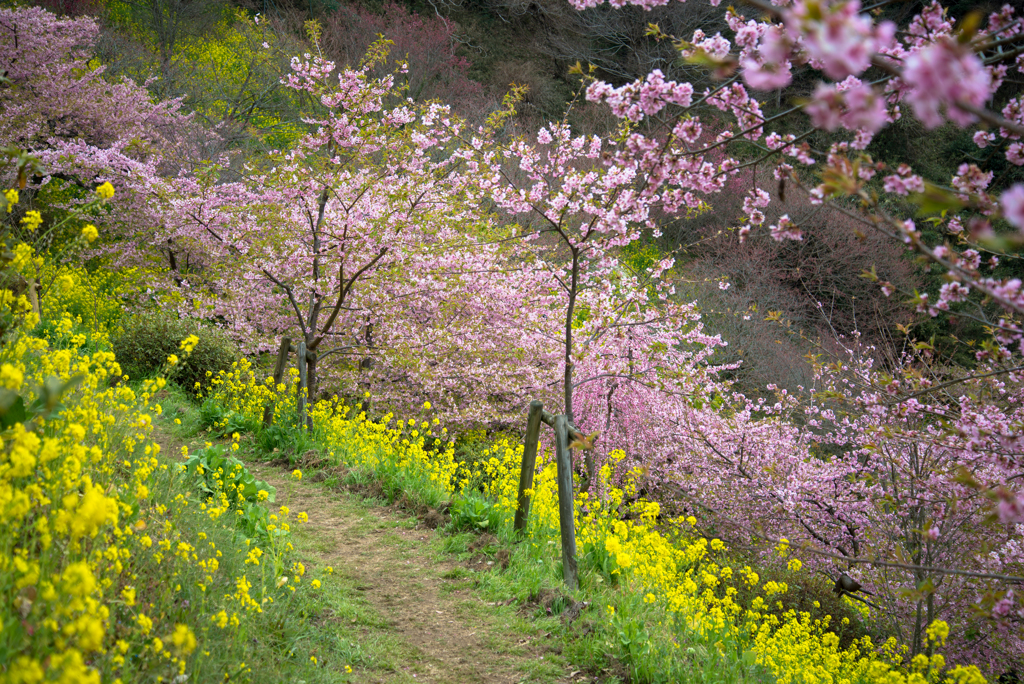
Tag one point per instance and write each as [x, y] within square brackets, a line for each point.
[402, 608]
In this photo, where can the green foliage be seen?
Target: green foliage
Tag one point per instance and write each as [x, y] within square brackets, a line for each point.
[635, 648]
[474, 512]
[226, 64]
[640, 256]
[218, 475]
[273, 437]
[49, 395]
[594, 558]
[149, 339]
[224, 422]
[285, 440]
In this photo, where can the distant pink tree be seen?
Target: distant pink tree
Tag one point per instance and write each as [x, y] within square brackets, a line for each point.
[84, 129]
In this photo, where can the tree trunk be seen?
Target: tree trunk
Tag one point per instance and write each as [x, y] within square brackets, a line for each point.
[282, 360]
[569, 314]
[311, 383]
[303, 385]
[366, 365]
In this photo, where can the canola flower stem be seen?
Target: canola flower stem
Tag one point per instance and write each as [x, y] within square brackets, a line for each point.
[529, 464]
[566, 522]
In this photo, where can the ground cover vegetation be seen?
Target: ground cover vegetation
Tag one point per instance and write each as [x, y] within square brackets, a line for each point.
[448, 270]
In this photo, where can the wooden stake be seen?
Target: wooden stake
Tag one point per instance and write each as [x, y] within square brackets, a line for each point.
[529, 464]
[302, 384]
[566, 521]
[282, 360]
[549, 420]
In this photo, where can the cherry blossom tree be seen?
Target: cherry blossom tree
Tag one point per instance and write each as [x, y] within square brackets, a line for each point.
[361, 241]
[918, 450]
[84, 129]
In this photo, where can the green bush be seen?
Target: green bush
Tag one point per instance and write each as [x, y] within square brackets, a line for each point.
[148, 339]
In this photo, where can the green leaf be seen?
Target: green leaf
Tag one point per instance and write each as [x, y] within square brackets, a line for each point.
[935, 200]
[12, 409]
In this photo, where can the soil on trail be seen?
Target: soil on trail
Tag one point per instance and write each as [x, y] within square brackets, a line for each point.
[441, 631]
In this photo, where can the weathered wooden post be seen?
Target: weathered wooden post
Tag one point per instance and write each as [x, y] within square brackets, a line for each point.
[302, 384]
[282, 360]
[529, 464]
[566, 521]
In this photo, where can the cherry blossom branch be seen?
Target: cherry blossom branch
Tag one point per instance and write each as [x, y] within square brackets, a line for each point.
[957, 381]
[291, 298]
[346, 288]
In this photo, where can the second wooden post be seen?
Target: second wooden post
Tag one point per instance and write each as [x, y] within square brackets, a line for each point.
[529, 465]
[566, 520]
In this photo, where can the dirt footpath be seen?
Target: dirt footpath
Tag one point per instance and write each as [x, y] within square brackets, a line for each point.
[431, 626]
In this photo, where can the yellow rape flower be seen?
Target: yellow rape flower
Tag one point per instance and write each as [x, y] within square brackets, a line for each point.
[938, 632]
[145, 623]
[105, 191]
[28, 670]
[89, 232]
[32, 220]
[78, 579]
[183, 640]
[11, 377]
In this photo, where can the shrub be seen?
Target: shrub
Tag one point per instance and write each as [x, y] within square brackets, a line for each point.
[148, 340]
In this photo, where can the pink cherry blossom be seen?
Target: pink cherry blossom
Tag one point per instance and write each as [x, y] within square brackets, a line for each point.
[1013, 206]
[939, 76]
